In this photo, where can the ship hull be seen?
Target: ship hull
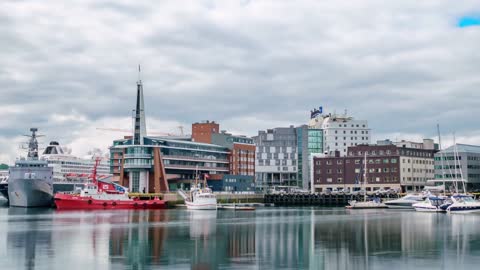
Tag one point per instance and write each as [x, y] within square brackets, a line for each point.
[201, 206]
[4, 190]
[75, 202]
[30, 193]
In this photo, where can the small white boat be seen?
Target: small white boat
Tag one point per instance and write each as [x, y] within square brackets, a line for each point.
[430, 204]
[375, 203]
[201, 198]
[365, 204]
[405, 202]
[462, 203]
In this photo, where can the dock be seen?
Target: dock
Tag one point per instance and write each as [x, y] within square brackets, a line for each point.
[316, 199]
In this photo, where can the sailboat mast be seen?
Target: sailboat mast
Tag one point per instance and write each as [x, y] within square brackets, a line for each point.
[442, 162]
[365, 175]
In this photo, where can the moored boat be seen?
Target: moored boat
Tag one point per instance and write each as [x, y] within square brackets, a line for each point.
[430, 204]
[365, 204]
[201, 198]
[405, 202]
[374, 203]
[462, 203]
[103, 195]
[30, 180]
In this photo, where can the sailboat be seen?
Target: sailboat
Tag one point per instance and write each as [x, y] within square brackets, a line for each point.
[201, 198]
[365, 204]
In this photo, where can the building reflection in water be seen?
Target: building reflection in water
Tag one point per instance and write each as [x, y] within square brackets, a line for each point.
[26, 237]
[308, 238]
[141, 242]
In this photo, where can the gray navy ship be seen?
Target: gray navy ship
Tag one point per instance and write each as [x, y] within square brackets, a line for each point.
[31, 180]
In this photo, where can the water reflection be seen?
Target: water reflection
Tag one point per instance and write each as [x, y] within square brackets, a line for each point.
[303, 238]
[25, 239]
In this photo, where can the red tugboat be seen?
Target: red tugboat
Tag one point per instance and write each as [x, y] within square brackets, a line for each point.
[103, 195]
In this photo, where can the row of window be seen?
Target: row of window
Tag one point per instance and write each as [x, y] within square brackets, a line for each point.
[353, 138]
[352, 132]
[345, 125]
[357, 170]
[276, 162]
[358, 161]
[369, 179]
[389, 152]
[418, 161]
[415, 170]
[448, 158]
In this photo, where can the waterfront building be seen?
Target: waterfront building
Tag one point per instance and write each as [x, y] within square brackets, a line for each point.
[466, 165]
[277, 154]
[340, 131]
[202, 132]
[389, 166]
[156, 164]
[284, 155]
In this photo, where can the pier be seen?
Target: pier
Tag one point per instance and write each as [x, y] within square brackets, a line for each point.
[316, 199]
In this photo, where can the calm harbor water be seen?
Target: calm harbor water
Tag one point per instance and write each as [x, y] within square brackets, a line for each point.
[291, 238]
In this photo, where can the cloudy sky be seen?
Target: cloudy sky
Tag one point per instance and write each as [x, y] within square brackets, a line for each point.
[71, 68]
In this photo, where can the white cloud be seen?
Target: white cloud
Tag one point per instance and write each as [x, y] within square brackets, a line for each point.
[249, 65]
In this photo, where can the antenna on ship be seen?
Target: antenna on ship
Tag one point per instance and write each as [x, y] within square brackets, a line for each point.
[32, 144]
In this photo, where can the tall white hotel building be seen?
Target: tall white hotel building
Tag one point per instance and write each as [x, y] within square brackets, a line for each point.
[341, 131]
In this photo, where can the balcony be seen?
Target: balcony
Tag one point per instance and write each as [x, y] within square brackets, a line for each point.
[193, 158]
[137, 166]
[193, 168]
[138, 156]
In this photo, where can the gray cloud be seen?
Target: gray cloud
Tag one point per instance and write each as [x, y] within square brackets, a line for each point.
[250, 65]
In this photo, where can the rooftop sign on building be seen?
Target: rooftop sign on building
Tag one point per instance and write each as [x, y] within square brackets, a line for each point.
[316, 112]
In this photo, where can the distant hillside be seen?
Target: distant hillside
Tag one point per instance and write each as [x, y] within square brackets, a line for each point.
[3, 166]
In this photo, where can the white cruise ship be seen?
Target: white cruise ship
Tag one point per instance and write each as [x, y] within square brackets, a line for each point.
[69, 168]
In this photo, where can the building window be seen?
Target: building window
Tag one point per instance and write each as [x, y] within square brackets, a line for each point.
[339, 171]
[339, 180]
[329, 171]
[339, 161]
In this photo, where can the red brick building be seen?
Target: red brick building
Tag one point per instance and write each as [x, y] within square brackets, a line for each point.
[202, 132]
[242, 148]
[387, 166]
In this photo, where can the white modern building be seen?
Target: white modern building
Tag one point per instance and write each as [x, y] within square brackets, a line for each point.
[341, 131]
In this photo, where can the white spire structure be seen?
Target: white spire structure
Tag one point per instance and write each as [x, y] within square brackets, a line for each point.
[140, 130]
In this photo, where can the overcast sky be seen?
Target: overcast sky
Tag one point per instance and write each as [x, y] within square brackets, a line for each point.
[68, 68]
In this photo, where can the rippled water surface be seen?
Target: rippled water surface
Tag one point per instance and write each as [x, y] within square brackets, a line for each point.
[268, 238]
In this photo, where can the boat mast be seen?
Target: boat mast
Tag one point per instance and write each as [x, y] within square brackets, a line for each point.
[365, 176]
[455, 149]
[442, 162]
[196, 176]
[94, 174]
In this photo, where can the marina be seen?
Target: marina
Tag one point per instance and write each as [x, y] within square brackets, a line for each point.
[254, 134]
[323, 237]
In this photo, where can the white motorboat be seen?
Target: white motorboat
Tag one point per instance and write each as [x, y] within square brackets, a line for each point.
[201, 198]
[462, 203]
[405, 202]
[375, 203]
[430, 204]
